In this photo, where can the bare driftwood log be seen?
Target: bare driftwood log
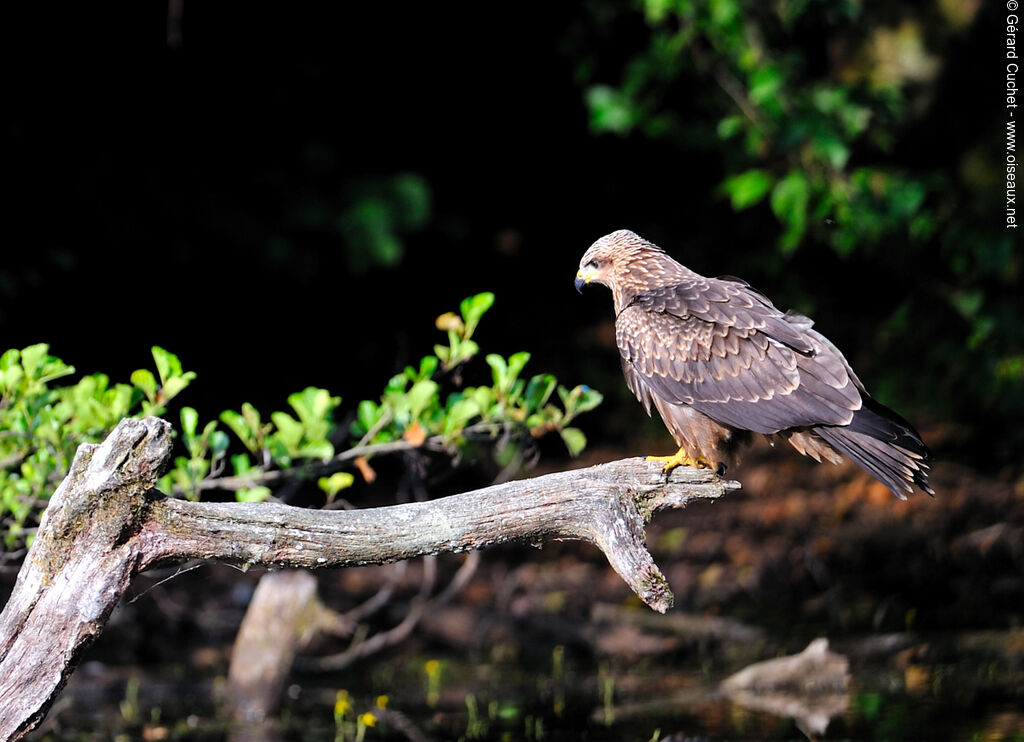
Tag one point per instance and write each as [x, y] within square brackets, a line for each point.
[283, 616]
[810, 687]
[105, 523]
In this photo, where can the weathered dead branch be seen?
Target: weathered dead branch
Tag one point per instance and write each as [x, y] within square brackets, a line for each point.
[106, 523]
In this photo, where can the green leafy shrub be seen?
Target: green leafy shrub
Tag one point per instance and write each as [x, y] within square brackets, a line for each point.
[41, 424]
[509, 406]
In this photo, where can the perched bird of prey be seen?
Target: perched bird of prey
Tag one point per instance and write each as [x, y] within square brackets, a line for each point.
[715, 358]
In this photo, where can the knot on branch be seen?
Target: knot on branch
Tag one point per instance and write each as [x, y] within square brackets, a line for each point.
[104, 489]
[136, 452]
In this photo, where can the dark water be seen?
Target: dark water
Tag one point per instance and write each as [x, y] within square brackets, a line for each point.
[901, 687]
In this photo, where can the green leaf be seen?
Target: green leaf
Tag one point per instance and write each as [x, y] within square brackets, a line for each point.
[499, 369]
[855, 119]
[723, 12]
[765, 82]
[411, 194]
[335, 483]
[906, 197]
[289, 430]
[828, 98]
[747, 188]
[315, 450]
[9, 359]
[611, 110]
[219, 442]
[279, 450]
[789, 202]
[539, 390]
[253, 494]
[467, 349]
[428, 365]
[730, 126]
[833, 149]
[252, 417]
[459, 413]
[175, 385]
[367, 414]
[32, 359]
[208, 430]
[656, 10]
[483, 396]
[516, 362]
[189, 421]
[247, 426]
[397, 383]
[144, 380]
[313, 405]
[473, 308]
[588, 399]
[420, 396]
[968, 303]
[241, 464]
[542, 420]
[119, 400]
[11, 377]
[574, 439]
[237, 425]
[167, 364]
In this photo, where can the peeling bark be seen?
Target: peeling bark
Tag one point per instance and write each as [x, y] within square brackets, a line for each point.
[105, 523]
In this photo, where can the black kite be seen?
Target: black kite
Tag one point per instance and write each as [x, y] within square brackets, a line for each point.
[715, 357]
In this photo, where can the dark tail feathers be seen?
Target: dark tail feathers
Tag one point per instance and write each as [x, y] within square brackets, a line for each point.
[884, 445]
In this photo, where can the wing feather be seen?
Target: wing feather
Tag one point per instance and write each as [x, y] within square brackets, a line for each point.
[725, 350]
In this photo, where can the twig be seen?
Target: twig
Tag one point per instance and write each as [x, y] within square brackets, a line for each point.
[320, 468]
[380, 598]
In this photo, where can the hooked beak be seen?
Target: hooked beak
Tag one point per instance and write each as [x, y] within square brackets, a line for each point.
[584, 276]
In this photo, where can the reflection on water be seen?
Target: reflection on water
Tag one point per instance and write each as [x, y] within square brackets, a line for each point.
[899, 687]
[810, 687]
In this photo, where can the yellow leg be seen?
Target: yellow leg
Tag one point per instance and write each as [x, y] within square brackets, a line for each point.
[681, 458]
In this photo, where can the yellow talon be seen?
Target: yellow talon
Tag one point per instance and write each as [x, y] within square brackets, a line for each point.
[681, 458]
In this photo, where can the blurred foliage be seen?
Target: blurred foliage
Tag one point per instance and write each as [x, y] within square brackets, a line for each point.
[807, 104]
[369, 215]
[426, 407]
[378, 213]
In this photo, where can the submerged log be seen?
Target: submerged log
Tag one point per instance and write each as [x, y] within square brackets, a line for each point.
[106, 523]
[809, 687]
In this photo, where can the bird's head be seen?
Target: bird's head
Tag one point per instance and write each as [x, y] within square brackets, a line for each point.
[608, 261]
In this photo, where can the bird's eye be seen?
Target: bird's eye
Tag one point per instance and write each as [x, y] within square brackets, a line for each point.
[594, 264]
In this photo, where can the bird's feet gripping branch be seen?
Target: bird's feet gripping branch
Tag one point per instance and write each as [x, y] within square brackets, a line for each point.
[682, 458]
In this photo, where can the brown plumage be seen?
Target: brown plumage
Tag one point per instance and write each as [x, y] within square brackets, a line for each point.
[715, 357]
